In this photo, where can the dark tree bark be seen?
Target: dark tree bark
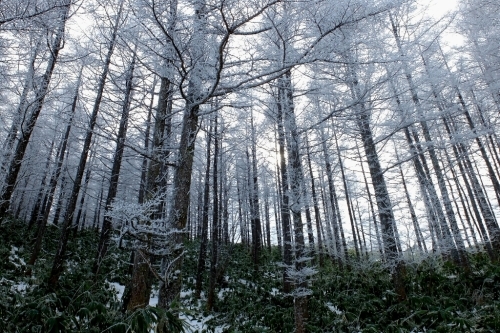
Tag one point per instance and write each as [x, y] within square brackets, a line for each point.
[317, 215]
[204, 225]
[255, 204]
[17, 158]
[349, 206]
[372, 208]
[338, 230]
[267, 216]
[21, 110]
[83, 194]
[285, 204]
[57, 266]
[456, 248]
[295, 195]
[215, 224]
[418, 232]
[386, 215]
[144, 166]
[36, 208]
[107, 228]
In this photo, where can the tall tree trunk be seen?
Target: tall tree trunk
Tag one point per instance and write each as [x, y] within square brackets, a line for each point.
[267, 216]
[204, 225]
[346, 190]
[57, 266]
[431, 199]
[386, 215]
[144, 166]
[372, 208]
[475, 191]
[458, 255]
[338, 230]
[83, 194]
[317, 215]
[36, 208]
[36, 107]
[418, 233]
[21, 111]
[285, 200]
[255, 205]
[115, 169]
[215, 224]
[295, 195]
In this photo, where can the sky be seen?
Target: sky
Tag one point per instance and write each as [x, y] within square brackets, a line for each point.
[440, 7]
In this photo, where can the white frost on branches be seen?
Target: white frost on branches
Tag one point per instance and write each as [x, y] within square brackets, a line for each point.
[141, 226]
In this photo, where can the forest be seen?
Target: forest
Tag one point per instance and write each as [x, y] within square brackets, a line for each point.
[249, 166]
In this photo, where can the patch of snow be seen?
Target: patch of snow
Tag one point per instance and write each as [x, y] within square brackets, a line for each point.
[153, 300]
[120, 289]
[333, 308]
[186, 293]
[221, 293]
[199, 323]
[20, 287]
[15, 259]
[301, 292]
[246, 283]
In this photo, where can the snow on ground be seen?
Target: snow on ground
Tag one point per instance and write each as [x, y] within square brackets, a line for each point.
[333, 308]
[21, 287]
[221, 293]
[195, 321]
[15, 259]
[120, 289]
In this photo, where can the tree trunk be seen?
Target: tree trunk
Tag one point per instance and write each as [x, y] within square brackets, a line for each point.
[295, 196]
[372, 208]
[115, 169]
[215, 224]
[204, 225]
[285, 204]
[338, 230]
[386, 215]
[144, 166]
[346, 190]
[317, 215]
[36, 107]
[255, 205]
[36, 208]
[57, 266]
[21, 111]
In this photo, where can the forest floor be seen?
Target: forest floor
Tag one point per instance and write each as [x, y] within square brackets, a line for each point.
[360, 298]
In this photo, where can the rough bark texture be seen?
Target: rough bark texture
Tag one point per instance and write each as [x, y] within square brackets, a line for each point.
[27, 130]
[296, 200]
[57, 266]
[115, 169]
[204, 224]
[285, 205]
[215, 225]
[317, 215]
[255, 204]
[386, 215]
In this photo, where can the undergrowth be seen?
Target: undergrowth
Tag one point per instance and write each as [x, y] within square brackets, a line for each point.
[81, 303]
[440, 297]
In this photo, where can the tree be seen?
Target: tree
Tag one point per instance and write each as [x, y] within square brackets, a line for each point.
[57, 266]
[115, 169]
[56, 43]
